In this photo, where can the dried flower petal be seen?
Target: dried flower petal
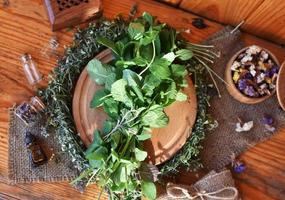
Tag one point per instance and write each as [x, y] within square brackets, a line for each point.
[253, 72]
[239, 167]
[263, 86]
[264, 55]
[249, 90]
[253, 49]
[269, 128]
[236, 77]
[248, 76]
[235, 65]
[245, 127]
[242, 84]
[266, 119]
[246, 58]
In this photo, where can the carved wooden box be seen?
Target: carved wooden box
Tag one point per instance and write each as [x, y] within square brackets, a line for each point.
[66, 13]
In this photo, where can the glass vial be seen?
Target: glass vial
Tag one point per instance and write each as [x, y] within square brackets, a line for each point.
[31, 71]
[28, 111]
[50, 49]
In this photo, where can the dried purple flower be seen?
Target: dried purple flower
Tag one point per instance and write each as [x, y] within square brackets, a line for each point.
[248, 76]
[249, 90]
[269, 128]
[242, 84]
[266, 119]
[239, 167]
[274, 70]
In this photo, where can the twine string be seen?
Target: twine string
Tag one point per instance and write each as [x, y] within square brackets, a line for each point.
[201, 194]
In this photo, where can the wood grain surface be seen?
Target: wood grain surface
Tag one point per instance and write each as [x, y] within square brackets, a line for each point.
[224, 11]
[24, 27]
[268, 20]
[171, 2]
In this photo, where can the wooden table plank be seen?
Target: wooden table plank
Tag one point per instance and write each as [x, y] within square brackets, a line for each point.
[24, 28]
[268, 21]
[224, 11]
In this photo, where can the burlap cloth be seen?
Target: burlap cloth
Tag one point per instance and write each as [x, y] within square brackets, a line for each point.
[20, 167]
[212, 186]
[221, 143]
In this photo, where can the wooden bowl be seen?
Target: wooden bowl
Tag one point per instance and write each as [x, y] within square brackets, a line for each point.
[280, 86]
[164, 143]
[234, 91]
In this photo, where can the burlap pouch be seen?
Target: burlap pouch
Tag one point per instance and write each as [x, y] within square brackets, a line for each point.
[212, 186]
[224, 142]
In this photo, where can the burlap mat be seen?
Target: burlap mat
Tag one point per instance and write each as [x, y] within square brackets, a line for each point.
[221, 143]
[20, 167]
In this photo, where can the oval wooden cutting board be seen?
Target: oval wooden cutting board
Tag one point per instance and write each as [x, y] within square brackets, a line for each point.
[164, 143]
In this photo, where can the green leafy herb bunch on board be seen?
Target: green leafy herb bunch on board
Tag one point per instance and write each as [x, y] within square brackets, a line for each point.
[147, 75]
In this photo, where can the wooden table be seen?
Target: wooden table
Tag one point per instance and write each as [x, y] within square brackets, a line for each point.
[24, 27]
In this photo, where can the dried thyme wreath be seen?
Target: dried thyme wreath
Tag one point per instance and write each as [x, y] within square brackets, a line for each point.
[58, 98]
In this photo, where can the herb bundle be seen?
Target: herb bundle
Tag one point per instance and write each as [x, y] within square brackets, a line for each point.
[147, 75]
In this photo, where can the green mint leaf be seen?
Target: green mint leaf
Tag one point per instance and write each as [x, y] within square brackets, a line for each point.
[136, 30]
[111, 78]
[139, 61]
[178, 70]
[95, 163]
[134, 81]
[155, 117]
[101, 153]
[170, 57]
[121, 174]
[125, 64]
[184, 54]
[97, 142]
[98, 72]
[107, 127]
[111, 107]
[132, 78]
[160, 68]
[171, 90]
[140, 155]
[128, 51]
[97, 99]
[148, 37]
[147, 17]
[167, 38]
[119, 92]
[144, 136]
[108, 43]
[157, 46]
[146, 52]
[119, 47]
[181, 96]
[150, 83]
[115, 140]
[148, 190]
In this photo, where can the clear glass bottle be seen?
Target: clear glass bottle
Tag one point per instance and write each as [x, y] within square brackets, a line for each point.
[31, 71]
[28, 111]
[50, 49]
